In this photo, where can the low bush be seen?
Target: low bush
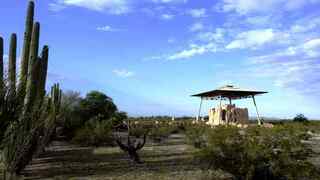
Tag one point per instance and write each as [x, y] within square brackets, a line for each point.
[300, 118]
[159, 133]
[94, 133]
[196, 135]
[259, 153]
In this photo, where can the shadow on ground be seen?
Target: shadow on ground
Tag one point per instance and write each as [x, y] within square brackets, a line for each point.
[64, 159]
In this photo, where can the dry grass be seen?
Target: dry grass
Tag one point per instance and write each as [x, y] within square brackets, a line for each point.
[168, 160]
[171, 159]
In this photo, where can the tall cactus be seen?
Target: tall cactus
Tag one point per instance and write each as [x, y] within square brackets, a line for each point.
[53, 107]
[12, 65]
[32, 112]
[25, 51]
[1, 70]
[32, 69]
[43, 71]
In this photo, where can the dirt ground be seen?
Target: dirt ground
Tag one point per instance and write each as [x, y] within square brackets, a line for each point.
[171, 159]
[168, 160]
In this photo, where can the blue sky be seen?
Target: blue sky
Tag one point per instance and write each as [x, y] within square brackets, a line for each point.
[151, 55]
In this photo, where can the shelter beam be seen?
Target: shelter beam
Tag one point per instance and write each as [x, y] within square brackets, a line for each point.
[199, 113]
[258, 115]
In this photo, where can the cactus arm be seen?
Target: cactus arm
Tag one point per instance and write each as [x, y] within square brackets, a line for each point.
[43, 71]
[12, 65]
[32, 86]
[32, 70]
[1, 69]
[25, 51]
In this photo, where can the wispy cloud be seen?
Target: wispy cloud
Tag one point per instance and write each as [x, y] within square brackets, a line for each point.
[108, 28]
[171, 40]
[252, 39]
[196, 27]
[296, 67]
[198, 13]
[123, 73]
[116, 7]
[193, 51]
[167, 16]
[169, 1]
[218, 35]
[251, 6]
[56, 7]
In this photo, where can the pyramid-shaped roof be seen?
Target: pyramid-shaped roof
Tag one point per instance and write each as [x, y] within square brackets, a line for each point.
[230, 92]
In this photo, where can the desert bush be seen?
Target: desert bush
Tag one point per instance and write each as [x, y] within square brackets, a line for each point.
[300, 118]
[159, 133]
[94, 133]
[257, 152]
[196, 135]
[138, 131]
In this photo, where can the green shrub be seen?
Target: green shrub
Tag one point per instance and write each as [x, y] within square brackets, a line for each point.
[196, 135]
[138, 131]
[258, 152]
[94, 133]
[159, 133]
[300, 118]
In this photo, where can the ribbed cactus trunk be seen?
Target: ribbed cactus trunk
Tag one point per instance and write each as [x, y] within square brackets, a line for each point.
[50, 125]
[12, 66]
[33, 67]
[32, 112]
[1, 70]
[43, 71]
[25, 52]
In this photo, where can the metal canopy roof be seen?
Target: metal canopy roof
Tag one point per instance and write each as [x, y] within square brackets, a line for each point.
[229, 92]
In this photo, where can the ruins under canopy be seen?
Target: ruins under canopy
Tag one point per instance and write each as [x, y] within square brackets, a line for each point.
[229, 113]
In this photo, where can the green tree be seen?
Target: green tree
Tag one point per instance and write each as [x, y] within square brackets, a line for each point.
[97, 105]
[300, 118]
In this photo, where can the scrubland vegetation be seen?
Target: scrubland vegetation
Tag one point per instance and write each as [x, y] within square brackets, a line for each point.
[61, 135]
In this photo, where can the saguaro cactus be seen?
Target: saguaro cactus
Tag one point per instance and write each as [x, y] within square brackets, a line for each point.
[32, 69]
[1, 70]
[31, 112]
[26, 50]
[12, 65]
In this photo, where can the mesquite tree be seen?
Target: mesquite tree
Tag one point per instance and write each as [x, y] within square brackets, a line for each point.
[27, 115]
[132, 146]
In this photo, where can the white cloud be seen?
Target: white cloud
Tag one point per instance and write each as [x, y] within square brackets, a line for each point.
[171, 40]
[216, 36]
[252, 39]
[296, 67]
[123, 73]
[111, 6]
[258, 20]
[169, 1]
[108, 29]
[198, 13]
[196, 27]
[312, 48]
[305, 24]
[194, 50]
[249, 6]
[55, 7]
[167, 16]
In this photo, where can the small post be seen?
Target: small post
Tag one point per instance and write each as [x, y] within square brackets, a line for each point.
[258, 116]
[220, 110]
[199, 109]
[230, 102]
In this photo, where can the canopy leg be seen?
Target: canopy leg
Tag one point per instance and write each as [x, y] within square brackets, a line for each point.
[258, 116]
[198, 117]
[230, 102]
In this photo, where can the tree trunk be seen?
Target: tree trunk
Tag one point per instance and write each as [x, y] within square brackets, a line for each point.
[11, 176]
[134, 156]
